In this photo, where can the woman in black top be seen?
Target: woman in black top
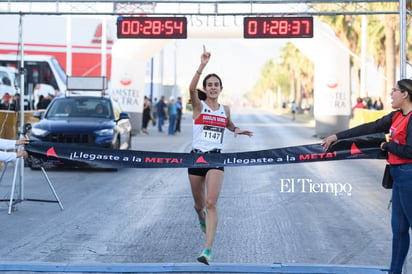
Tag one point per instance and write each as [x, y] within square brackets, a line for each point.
[147, 109]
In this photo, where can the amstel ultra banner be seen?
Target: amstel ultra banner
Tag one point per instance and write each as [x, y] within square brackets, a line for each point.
[51, 155]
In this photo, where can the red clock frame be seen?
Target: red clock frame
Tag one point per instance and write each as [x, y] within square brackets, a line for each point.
[278, 27]
[152, 27]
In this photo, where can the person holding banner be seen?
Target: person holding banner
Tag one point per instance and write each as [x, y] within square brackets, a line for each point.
[11, 156]
[210, 118]
[399, 148]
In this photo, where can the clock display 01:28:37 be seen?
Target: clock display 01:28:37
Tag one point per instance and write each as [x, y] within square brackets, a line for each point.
[278, 27]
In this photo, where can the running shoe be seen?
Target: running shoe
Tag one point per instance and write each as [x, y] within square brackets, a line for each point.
[205, 257]
[203, 222]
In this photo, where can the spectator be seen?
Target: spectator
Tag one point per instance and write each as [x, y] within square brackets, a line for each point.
[6, 87]
[147, 109]
[154, 112]
[15, 104]
[43, 102]
[45, 90]
[368, 102]
[68, 109]
[7, 156]
[293, 108]
[179, 108]
[100, 110]
[161, 113]
[378, 104]
[172, 113]
[359, 103]
[5, 102]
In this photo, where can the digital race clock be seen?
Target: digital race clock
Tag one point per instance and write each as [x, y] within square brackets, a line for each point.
[278, 27]
[152, 27]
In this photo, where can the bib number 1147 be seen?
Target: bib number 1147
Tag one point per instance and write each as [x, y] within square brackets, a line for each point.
[213, 134]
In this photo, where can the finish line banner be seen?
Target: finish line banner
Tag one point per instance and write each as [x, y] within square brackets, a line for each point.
[49, 155]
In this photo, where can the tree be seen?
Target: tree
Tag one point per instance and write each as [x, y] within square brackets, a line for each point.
[291, 73]
[382, 40]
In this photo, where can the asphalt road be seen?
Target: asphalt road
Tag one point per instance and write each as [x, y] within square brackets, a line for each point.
[147, 215]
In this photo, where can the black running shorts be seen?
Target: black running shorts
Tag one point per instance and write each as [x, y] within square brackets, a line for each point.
[202, 171]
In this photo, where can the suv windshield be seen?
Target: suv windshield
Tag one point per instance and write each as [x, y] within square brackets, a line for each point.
[80, 107]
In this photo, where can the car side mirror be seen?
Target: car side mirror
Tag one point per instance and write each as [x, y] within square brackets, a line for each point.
[124, 115]
[38, 115]
[27, 128]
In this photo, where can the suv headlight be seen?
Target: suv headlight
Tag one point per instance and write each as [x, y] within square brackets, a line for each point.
[104, 132]
[39, 132]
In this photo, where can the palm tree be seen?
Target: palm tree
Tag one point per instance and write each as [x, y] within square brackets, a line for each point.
[292, 74]
[382, 45]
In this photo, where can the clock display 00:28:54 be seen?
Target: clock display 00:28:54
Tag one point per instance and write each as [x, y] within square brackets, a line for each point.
[278, 27]
[152, 27]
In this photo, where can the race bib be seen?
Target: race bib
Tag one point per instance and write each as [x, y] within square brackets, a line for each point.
[213, 134]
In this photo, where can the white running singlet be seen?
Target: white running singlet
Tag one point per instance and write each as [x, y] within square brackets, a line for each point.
[208, 128]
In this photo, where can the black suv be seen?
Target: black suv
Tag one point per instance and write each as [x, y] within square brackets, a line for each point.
[86, 120]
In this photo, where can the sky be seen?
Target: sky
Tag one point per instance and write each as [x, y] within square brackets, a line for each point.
[237, 61]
